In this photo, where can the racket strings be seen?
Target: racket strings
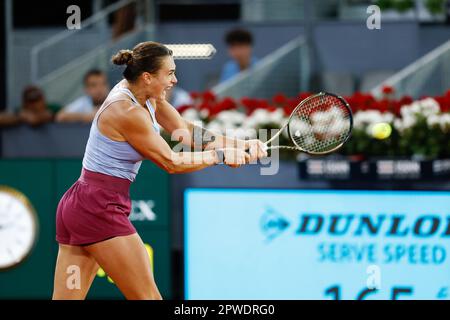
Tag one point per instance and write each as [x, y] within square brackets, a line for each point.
[321, 124]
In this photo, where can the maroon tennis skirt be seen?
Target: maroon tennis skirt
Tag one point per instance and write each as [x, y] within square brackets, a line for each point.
[94, 209]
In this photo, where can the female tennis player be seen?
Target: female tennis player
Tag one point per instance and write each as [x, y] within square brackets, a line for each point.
[92, 225]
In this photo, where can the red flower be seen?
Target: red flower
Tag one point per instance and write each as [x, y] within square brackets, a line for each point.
[209, 96]
[387, 90]
[444, 102]
[406, 100]
[249, 104]
[228, 104]
[205, 105]
[383, 105]
[183, 108]
[396, 108]
[358, 101]
[262, 104]
[290, 106]
[304, 95]
[195, 95]
[279, 99]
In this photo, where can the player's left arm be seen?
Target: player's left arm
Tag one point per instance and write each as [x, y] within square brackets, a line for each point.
[196, 136]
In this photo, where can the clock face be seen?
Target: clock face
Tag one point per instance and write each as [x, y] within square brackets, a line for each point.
[18, 227]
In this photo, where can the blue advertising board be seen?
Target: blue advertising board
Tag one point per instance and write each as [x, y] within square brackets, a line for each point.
[316, 244]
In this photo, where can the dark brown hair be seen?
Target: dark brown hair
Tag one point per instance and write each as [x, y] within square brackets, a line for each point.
[91, 73]
[238, 36]
[145, 57]
[32, 94]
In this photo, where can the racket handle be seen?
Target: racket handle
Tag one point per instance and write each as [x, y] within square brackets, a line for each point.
[266, 147]
[282, 147]
[271, 148]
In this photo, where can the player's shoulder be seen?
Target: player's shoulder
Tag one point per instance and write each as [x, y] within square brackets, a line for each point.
[123, 109]
[129, 115]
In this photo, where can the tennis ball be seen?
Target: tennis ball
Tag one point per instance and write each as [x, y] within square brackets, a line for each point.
[381, 130]
[101, 273]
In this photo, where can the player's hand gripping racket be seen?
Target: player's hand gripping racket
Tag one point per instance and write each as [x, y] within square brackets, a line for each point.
[320, 124]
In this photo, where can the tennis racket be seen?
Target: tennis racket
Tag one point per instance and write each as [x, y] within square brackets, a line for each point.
[320, 124]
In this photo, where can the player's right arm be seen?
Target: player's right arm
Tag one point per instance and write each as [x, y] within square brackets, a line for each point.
[135, 128]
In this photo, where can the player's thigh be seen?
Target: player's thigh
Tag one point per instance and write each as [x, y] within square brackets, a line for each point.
[75, 270]
[126, 261]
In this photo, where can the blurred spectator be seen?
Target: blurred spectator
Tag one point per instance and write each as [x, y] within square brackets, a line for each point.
[84, 108]
[178, 97]
[124, 20]
[8, 119]
[240, 47]
[35, 110]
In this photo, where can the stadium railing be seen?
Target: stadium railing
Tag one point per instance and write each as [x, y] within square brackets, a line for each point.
[62, 81]
[429, 75]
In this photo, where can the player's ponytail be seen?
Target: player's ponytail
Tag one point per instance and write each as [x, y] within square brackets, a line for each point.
[123, 57]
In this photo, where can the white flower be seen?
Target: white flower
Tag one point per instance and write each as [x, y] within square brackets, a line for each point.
[299, 127]
[409, 121]
[430, 106]
[234, 117]
[215, 127]
[240, 133]
[365, 120]
[369, 129]
[337, 113]
[406, 111]
[277, 117]
[362, 119]
[337, 127]
[191, 115]
[320, 117]
[204, 113]
[415, 107]
[425, 107]
[258, 118]
[445, 122]
[387, 117]
[250, 133]
[433, 120]
[398, 125]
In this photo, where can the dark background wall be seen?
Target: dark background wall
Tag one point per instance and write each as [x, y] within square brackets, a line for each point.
[3, 74]
[195, 75]
[29, 14]
[339, 46]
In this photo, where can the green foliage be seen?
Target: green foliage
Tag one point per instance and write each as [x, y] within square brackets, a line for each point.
[418, 140]
[399, 5]
[435, 6]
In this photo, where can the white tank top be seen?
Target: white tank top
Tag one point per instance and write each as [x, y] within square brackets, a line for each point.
[114, 158]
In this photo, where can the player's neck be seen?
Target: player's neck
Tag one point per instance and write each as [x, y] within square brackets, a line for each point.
[138, 93]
